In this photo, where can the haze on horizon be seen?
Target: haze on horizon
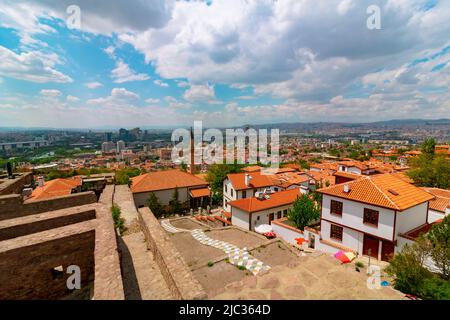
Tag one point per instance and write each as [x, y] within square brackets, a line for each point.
[166, 63]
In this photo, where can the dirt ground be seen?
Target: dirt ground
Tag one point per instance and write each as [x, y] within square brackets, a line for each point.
[311, 277]
[215, 278]
[187, 224]
[237, 237]
[274, 254]
[193, 252]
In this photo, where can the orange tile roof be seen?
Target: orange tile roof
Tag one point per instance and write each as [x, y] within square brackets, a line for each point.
[441, 201]
[277, 199]
[322, 177]
[198, 193]
[252, 168]
[56, 188]
[258, 181]
[349, 175]
[163, 180]
[402, 176]
[382, 190]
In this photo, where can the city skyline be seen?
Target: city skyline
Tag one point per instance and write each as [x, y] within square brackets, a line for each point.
[227, 63]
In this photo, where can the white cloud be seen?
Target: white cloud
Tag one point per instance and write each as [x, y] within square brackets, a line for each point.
[122, 73]
[160, 83]
[344, 6]
[31, 66]
[110, 51]
[152, 101]
[118, 97]
[203, 93]
[50, 93]
[93, 85]
[72, 98]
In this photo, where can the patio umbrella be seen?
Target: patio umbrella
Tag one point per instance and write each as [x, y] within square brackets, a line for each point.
[264, 228]
[345, 257]
[270, 234]
[300, 241]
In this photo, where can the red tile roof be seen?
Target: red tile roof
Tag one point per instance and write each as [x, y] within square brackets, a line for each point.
[277, 199]
[198, 193]
[164, 180]
[382, 190]
[441, 201]
[56, 188]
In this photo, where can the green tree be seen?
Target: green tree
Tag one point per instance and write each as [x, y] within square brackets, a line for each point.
[303, 212]
[124, 176]
[427, 147]
[215, 176]
[430, 172]
[154, 205]
[175, 205]
[439, 237]
[183, 166]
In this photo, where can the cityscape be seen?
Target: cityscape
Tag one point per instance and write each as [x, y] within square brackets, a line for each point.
[321, 170]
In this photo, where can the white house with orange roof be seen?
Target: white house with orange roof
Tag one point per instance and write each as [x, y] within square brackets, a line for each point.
[163, 183]
[249, 183]
[249, 213]
[440, 206]
[369, 215]
[55, 188]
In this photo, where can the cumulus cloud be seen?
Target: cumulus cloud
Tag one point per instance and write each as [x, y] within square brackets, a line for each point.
[72, 98]
[201, 93]
[161, 83]
[152, 101]
[31, 66]
[123, 73]
[50, 93]
[93, 85]
[119, 96]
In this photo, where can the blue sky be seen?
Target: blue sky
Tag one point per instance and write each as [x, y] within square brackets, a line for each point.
[166, 63]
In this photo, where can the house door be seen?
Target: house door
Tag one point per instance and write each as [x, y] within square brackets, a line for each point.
[370, 245]
[387, 250]
[271, 217]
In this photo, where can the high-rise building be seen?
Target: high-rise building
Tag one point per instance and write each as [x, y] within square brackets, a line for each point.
[108, 147]
[108, 136]
[120, 146]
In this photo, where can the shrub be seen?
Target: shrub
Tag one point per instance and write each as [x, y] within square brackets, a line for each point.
[210, 264]
[118, 221]
[359, 264]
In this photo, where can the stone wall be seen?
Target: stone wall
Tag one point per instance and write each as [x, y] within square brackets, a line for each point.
[10, 186]
[108, 278]
[22, 226]
[176, 273]
[12, 206]
[27, 263]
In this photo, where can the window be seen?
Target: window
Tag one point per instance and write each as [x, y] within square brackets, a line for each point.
[232, 192]
[336, 208]
[336, 232]
[226, 189]
[279, 215]
[244, 194]
[285, 212]
[370, 217]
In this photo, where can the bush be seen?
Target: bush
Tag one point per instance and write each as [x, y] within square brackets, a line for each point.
[359, 264]
[435, 288]
[118, 221]
[210, 264]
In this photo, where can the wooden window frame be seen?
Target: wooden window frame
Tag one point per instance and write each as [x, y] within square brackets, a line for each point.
[369, 212]
[332, 233]
[332, 206]
[244, 194]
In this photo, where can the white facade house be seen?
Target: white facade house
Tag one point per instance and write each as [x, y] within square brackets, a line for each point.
[249, 213]
[369, 215]
[440, 206]
[248, 184]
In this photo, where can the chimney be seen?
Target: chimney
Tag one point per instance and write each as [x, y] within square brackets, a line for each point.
[247, 179]
[192, 165]
[346, 188]
[40, 181]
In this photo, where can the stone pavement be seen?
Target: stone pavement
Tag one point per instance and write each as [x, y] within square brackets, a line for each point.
[142, 277]
[236, 256]
[124, 199]
[320, 277]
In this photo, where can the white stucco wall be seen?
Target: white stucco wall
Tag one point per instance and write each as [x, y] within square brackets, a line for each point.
[411, 218]
[434, 216]
[287, 234]
[350, 238]
[240, 218]
[164, 196]
[352, 216]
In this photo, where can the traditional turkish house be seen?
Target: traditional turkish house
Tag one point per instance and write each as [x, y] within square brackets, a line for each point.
[440, 206]
[249, 213]
[371, 215]
[191, 189]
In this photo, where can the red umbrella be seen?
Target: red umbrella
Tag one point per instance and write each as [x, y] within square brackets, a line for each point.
[270, 234]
